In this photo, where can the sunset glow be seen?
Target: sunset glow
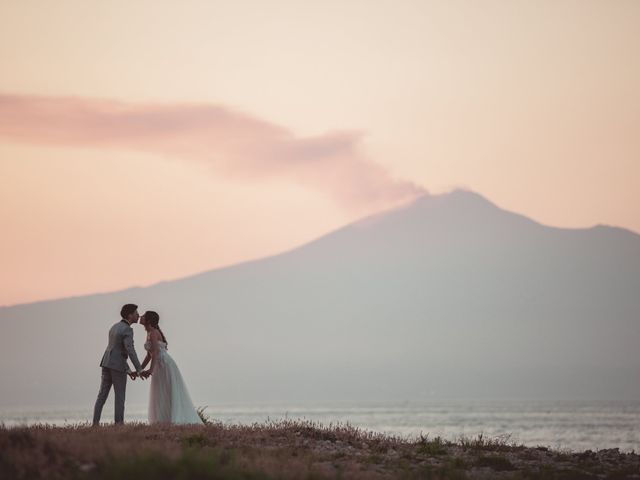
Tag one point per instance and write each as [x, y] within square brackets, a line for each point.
[146, 141]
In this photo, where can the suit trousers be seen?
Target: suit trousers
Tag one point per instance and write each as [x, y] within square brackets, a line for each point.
[119, 382]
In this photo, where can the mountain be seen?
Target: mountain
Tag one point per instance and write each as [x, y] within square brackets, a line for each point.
[448, 296]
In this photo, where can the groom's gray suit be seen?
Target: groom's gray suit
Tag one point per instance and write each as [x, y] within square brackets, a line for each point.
[115, 369]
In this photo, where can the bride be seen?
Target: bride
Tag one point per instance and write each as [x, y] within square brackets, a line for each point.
[169, 400]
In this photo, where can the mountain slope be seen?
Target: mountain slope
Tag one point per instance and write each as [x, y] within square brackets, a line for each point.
[449, 296]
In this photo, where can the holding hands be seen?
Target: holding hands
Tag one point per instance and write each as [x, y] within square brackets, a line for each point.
[143, 375]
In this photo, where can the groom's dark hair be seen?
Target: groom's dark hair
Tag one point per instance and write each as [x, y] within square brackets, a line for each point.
[127, 310]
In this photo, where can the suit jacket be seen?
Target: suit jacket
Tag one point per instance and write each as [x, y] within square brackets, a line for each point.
[120, 348]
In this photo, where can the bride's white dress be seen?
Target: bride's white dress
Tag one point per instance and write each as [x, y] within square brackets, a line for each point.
[169, 400]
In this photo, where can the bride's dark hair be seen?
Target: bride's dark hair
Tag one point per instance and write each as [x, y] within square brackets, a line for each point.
[152, 319]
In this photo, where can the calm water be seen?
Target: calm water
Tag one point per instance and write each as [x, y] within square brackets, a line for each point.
[566, 425]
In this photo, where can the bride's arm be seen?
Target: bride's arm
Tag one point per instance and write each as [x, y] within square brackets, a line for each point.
[146, 360]
[154, 338]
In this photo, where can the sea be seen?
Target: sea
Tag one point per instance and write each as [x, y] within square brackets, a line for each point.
[563, 425]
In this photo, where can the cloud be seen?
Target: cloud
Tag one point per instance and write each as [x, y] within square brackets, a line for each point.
[231, 142]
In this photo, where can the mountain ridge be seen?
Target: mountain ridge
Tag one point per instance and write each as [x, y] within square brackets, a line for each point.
[426, 201]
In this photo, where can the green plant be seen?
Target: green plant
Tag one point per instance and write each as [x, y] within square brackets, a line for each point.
[432, 447]
[203, 416]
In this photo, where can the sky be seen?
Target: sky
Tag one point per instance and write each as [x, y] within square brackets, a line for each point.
[145, 141]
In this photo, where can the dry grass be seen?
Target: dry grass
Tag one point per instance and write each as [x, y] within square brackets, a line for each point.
[279, 449]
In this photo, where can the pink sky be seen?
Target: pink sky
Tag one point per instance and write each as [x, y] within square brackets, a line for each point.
[142, 141]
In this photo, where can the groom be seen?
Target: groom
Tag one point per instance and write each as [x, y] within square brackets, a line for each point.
[114, 363]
